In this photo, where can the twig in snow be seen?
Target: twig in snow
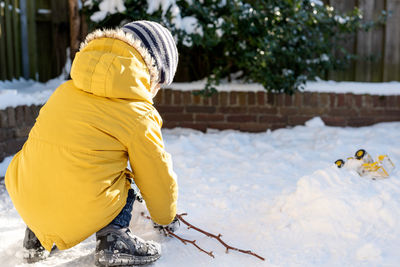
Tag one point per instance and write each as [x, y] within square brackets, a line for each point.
[217, 237]
[193, 242]
[183, 240]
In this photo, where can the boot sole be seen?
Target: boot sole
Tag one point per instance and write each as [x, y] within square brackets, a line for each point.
[123, 260]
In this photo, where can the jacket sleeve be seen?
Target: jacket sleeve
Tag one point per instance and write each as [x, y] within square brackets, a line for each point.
[152, 169]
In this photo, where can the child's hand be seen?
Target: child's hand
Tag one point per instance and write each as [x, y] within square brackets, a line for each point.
[173, 226]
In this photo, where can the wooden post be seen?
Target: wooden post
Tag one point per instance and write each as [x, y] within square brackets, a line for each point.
[391, 71]
[24, 39]
[9, 40]
[74, 21]
[370, 44]
[344, 7]
[17, 39]
[3, 58]
[32, 47]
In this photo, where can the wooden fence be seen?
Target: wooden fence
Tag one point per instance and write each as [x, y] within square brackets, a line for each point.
[381, 45]
[39, 29]
[33, 38]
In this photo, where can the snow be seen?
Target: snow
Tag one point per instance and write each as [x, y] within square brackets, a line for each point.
[384, 88]
[28, 92]
[276, 193]
[106, 7]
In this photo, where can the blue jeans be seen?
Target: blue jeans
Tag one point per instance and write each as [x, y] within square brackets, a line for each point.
[124, 217]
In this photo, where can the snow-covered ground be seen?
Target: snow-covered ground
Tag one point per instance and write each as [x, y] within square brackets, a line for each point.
[28, 92]
[277, 193]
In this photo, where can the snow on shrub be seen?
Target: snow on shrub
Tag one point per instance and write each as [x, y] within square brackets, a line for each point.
[278, 43]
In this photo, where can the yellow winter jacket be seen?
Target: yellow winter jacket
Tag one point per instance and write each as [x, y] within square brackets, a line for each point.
[69, 179]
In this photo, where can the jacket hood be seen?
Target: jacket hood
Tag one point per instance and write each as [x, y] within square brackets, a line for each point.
[111, 63]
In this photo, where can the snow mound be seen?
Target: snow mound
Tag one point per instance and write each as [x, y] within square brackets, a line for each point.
[332, 209]
[315, 122]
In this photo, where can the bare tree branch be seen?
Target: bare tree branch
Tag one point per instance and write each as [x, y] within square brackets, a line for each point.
[217, 237]
[183, 240]
[193, 242]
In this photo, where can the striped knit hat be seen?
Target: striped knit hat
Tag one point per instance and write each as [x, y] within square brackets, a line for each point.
[160, 44]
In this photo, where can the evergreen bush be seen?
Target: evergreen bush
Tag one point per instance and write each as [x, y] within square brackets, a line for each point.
[278, 43]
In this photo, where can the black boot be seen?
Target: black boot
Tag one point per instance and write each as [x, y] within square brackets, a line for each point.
[119, 247]
[34, 250]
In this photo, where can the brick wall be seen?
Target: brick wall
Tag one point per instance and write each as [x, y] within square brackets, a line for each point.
[259, 111]
[244, 111]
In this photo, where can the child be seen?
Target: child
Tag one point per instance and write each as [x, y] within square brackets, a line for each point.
[70, 178]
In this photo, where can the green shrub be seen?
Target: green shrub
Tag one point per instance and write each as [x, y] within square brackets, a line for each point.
[278, 43]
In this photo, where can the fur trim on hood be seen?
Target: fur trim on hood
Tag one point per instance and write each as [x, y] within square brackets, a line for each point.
[135, 43]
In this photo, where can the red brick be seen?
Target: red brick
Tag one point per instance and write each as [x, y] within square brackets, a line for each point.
[360, 121]
[35, 110]
[169, 109]
[280, 100]
[372, 112]
[333, 100]
[224, 98]
[14, 145]
[196, 99]
[11, 121]
[289, 100]
[275, 126]
[349, 100]
[29, 116]
[342, 112]
[242, 98]
[3, 119]
[261, 98]
[158, 98]
[232, 110]
[177, 95]
[197, 126]
[298, 99]
[170, 124]
[311, 111]
[187, 98]
[340, 98]
[367, 101]
[215, 99]
[167, 96]
[251, 98]
[263, 110]
[177, 117]
[6, 134]
[253, 127]
[233, 98]
[334, 121]
[206, 100]
[324, 100]
[223, 126]
[209, 117]
[298, 120]
[200, 109]
[310, 99]
[379, 101]
[271, 98]
[391, 102]
[273, 119]
[289, 110]
[358, 100]
[19, 115]
[241, 118]
[385, 119]
[395, 113]
[23, 131]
